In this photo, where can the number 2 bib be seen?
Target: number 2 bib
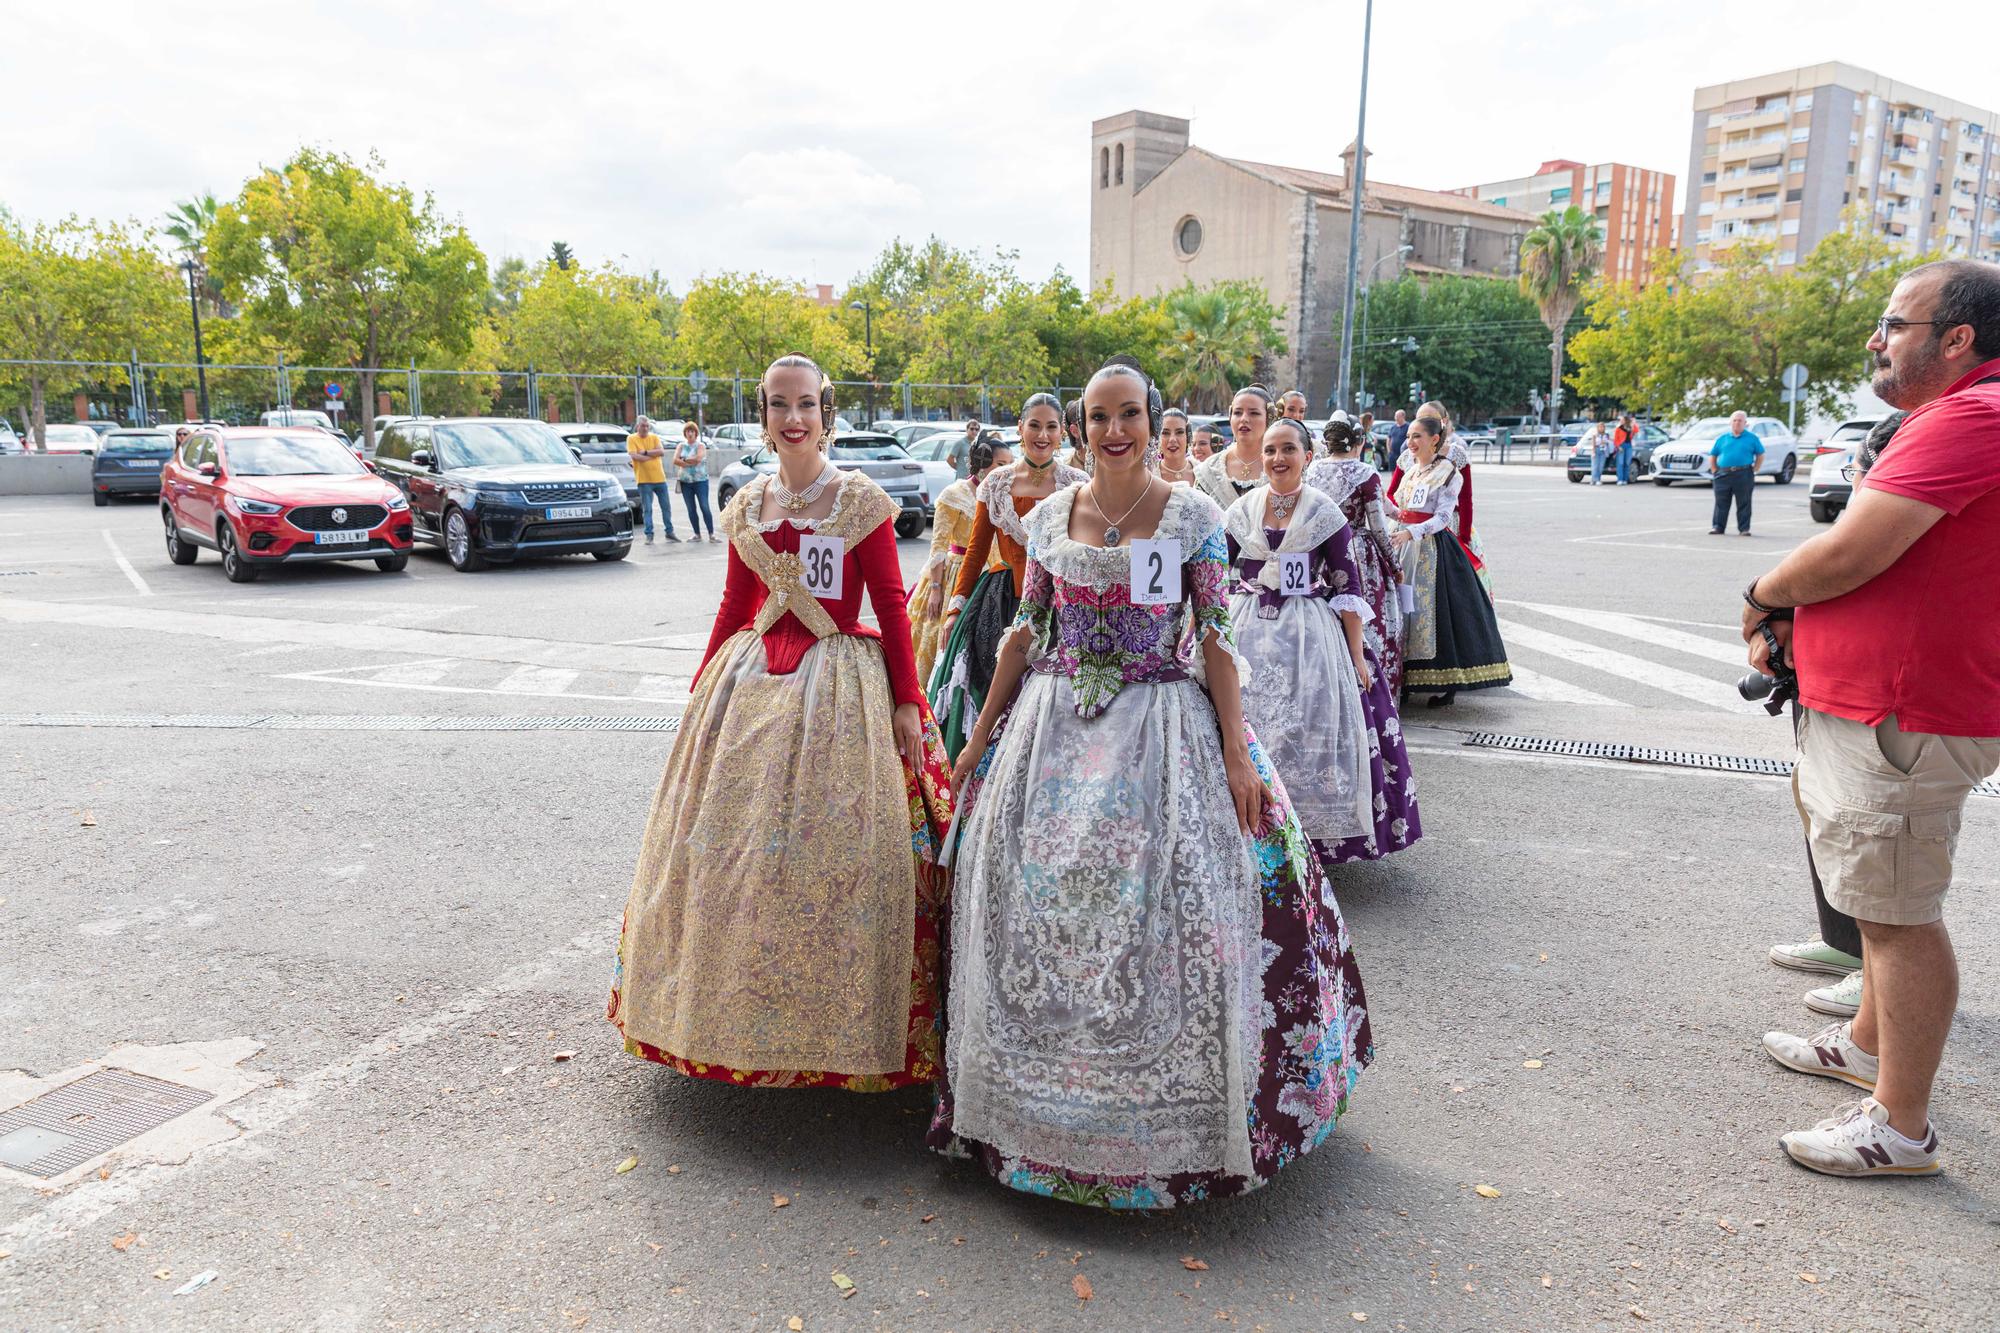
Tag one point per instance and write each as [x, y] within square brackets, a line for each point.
[1156, 571]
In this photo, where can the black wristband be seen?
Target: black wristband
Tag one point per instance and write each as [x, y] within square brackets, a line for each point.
[1750, 597]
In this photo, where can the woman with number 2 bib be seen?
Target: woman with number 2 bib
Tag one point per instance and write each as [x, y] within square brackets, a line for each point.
[1152, 999]
[783, 926]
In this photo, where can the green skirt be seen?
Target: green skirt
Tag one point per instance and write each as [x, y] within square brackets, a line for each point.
[964, 671]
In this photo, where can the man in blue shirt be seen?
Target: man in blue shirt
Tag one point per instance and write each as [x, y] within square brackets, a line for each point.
[1736, 456]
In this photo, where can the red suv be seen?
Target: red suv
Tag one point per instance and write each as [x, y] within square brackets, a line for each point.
[263, 496]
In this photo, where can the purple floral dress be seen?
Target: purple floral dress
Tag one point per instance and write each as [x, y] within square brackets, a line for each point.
[1146, 1007]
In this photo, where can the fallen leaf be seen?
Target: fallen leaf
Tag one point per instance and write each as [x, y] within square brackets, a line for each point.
[6, 1254]
[1545, 958]
[1081, 1286]
[1637, 1313]
[844, 1284]
[561, 1056]
[163, 1273]
[1531, 1064]
[1458, 1087]
[507, 1069]
[103, 1172]
[674, 1170]
[1192, 1264]
[89, 819]
[928, 1217]
[625, 1165]
[1548, 1281]
[1809, 1277]
[958, 1240]
[1723, 1222]
[780, 1201]
[654, 1246]
[124, 1242]
[796, 1324]
[676, 1291]
[1486, 1191]
[1358, 1317]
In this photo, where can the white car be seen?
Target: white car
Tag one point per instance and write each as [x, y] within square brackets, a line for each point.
[1832, 483]
[934, 452]
[1685, 457]
[296, 416]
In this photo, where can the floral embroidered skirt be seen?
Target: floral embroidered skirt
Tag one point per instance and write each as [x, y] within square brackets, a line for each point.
[1394, 784]
[964, 670]
[1145, 1008]
[1454, 639]
[785, 920]
[924, 626]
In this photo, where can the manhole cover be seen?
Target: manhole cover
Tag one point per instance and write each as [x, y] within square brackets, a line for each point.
[63, 1129]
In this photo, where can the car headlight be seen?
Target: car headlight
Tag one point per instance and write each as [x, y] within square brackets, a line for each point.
[612, 491]
[397, 502]
[244, 506]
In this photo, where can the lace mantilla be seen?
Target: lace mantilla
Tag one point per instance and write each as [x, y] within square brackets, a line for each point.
[997, 492]
[1339, 477]
[1190, 518]
[1316, 519]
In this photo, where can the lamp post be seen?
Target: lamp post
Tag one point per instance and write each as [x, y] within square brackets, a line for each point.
[194, 307]
[868, 333]
[1365, 290]
[1356, 189]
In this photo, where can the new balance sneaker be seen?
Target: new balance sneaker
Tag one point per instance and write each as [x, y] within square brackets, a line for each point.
[1856, 1140]
[1840, 1000]
[1829, 1053]
[1815, 955]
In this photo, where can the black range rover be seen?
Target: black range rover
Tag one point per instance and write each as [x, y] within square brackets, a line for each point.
[497, 488]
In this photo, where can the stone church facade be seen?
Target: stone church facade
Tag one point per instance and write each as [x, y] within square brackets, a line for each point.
[1163, 212]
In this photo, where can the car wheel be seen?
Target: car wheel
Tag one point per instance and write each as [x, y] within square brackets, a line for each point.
[1823, 512]
[1576, 478]
[724, 496]
[235, 566]
[618, 553]
[1661, 481]
[100, 499]
[178, 551]
[393, 564]
[1788, 471]
[459, 546]
[910, 525]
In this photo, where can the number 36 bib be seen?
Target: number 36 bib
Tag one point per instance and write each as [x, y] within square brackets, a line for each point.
[821, 561]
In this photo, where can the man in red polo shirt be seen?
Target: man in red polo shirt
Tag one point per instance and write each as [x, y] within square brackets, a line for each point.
[1899, 675]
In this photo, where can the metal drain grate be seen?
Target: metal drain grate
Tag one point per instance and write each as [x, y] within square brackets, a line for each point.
[1646, 754]
[61, 1130]
[348, 722]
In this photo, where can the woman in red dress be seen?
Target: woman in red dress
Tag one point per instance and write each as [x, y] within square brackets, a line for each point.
[783, 925]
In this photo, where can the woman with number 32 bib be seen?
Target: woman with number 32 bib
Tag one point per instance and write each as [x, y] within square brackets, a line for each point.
[1152, 999]
[783, 927]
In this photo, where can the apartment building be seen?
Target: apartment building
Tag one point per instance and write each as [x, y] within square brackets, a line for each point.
[1635, 207]
[1782, 156]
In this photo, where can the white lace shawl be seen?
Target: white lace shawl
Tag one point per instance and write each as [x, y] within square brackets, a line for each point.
[1211, 477]
[997, 494]
[1316, 520]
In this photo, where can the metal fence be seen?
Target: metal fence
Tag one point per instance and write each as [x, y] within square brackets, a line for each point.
[139, 392]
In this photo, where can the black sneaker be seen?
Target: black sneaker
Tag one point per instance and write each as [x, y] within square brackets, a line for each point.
[675, 540]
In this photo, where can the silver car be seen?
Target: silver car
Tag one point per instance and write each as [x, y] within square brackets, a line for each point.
[1832, 483]
[1686, 458]
[878, 456]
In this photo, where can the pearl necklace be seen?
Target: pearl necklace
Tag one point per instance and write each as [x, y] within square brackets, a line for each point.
[797, 500]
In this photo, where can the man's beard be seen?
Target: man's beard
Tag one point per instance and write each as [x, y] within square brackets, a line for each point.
[1900, 384]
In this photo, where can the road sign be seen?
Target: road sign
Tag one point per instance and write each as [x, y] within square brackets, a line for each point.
[1791, 396]
[698, 380]
[1794, 376]
[332, 389]
[333, 406]
[698, 396]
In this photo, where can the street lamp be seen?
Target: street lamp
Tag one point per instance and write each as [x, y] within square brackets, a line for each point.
[194, 307]
[1356, 195]
[1369, 286]
[868, 332]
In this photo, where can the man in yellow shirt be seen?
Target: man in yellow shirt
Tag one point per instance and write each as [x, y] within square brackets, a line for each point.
[649, 470]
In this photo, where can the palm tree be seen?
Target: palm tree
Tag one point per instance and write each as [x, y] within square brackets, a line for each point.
[1557, 258]
[1213, 346]
[561, 255]
[189, 222]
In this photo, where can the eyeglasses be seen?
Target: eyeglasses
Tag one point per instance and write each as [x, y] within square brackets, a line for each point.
[1889, 323]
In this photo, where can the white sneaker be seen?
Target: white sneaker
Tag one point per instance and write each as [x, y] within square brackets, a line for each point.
[1815, 955]
[1857, 1141]
[1840, 1000]
[1829, 1053]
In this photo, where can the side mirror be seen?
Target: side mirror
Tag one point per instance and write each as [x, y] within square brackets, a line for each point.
[422, 458]
[368, 463]
[576, 454]
[207, 469]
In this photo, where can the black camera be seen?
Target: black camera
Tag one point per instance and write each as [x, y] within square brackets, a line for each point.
[1779, 688]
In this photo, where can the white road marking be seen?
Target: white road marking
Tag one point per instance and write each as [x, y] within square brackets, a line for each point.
[125, 565]
[415, 673]
[1700, 689]
[1659, 636]
[1547, 689]
[660, 688]
[536, 680]
[429, 677]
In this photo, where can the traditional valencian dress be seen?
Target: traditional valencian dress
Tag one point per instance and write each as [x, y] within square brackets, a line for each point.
[784, 923]
[1146, 1006]
[986, 596]
[1302, 696]
[1356, 487]
[1211, 478]
[951, 532]
[1452, 638]
[1468, 536]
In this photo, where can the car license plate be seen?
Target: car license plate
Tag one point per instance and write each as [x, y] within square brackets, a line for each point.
[575, 511]
[340, 538]
[146, 463]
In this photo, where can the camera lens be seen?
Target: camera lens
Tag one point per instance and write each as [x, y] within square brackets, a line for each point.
[1756, 686]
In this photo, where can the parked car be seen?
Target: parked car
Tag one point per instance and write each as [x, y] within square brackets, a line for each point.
[601, 447]
[10, 441]
[262, 496]
[1685, 458]
[63, 437]
[129, 462]
[908, 434]
[295, 416]
[102, 428]
[493, 489]
[934, 452]
[1831, 484]
[1650, 438]
[739, 435]
[879, 456]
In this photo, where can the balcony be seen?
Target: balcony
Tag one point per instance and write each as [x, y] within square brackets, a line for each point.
[1752, 175]
[1773, 113]
[1757, 146]
[1748, 210]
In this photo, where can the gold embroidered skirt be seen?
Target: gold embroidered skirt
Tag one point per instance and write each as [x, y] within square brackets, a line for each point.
[779, 900]
[924, 627]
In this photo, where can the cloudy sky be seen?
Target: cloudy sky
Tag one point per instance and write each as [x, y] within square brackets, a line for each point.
[799, 139]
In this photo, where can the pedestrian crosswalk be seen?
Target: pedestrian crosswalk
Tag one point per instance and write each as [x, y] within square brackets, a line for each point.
[460, 675]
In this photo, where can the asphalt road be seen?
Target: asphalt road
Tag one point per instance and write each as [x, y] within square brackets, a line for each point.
[342, 875]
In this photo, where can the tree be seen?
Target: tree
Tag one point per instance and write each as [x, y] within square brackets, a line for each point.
[561, 255]
[503, 289]
[79, 292]
[1216, 334]
[345, 270]
[1479, 343]
[1558, 257]
[742, 322]
[578, 324]
[187, 224]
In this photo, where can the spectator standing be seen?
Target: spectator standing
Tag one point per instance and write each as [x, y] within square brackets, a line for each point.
[1621, 443]
[1399, 431]
[650, 472]
[1598, 441]
[961, 452]
[1736, 453]
[691, 472]
[1898, 660]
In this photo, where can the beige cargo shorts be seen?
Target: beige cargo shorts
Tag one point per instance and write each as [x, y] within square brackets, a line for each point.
[1881, 808]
